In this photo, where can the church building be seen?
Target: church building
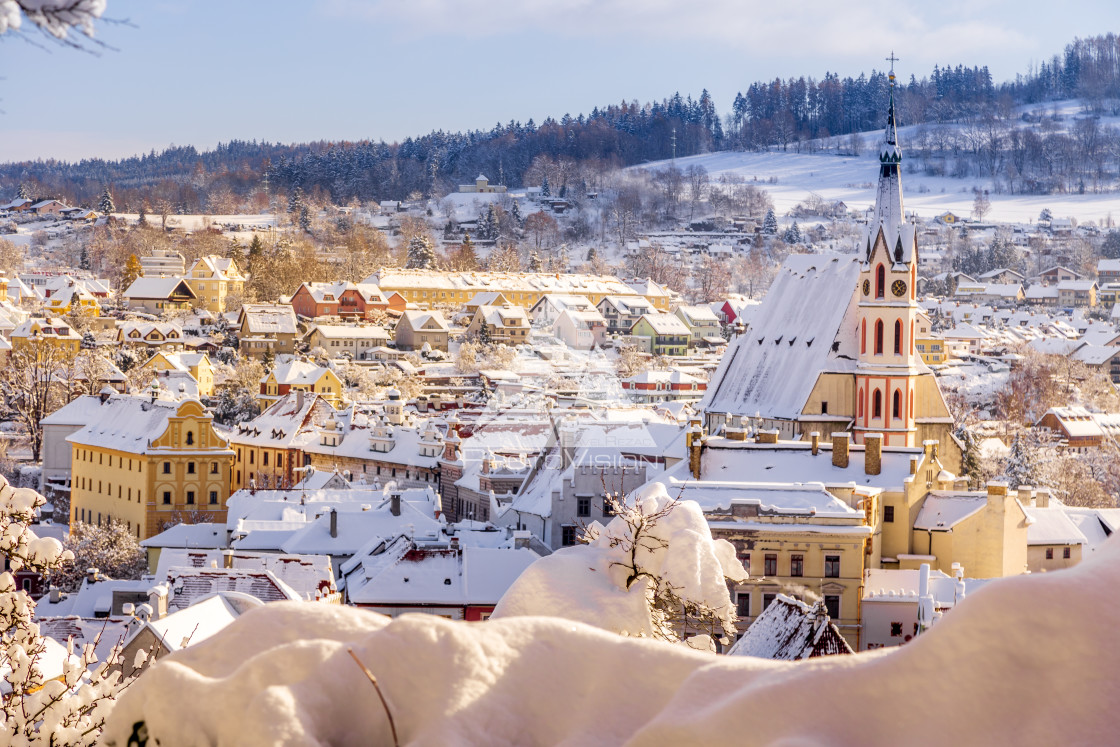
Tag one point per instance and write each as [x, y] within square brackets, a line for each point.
[832, 347]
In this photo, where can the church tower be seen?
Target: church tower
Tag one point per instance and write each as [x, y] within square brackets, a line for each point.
[888, 369]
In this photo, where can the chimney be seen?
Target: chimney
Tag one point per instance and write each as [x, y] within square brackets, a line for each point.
[914, 461]
[767, 437]
[299, 399]
[395, 504]
[735, 430]
[334, 522]
[840, 450]
[521, 539]
[997, 493]
[91, 575]
[1042, 498]
[815, 441]
[873, 453]
[55, 595]
[227, 558]
[157, 600]
[1024, 495]
[695, 440]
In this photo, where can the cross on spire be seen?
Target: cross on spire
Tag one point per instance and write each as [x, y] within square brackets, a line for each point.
[892, 59]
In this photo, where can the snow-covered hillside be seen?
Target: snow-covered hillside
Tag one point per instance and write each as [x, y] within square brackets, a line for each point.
[852, 179]
[1026, 660]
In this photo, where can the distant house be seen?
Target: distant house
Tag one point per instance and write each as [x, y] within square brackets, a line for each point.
[163, 335]
[157, 294]
[1074, 425]
[1058, 274]
[299, 376]
[790, 630]
[1002, 275]
[1077, 293]
[337, 339]
[1108, 271]
[507, 325]
[666, 334]
[621, 312]
[548, 309]
[163, 262]
[267, 328]
[948, 218]
[18, 205]
[418, 328]
[702, 323]
[342, 299]
[663, 386]
[581, 329]
[48, 207]
[214, 279]
[481, 184]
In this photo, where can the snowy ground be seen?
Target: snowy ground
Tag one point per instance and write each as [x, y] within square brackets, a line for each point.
[1025, 660]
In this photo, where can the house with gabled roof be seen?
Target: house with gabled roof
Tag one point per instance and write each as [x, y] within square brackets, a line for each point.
[791, 630]
[214, 279]
[158, 294]
[299, 376]
[505, 325]
[622, 311]
[267, 328]
[665, 334]
[703, 324]
[342, 299]
[415, 329]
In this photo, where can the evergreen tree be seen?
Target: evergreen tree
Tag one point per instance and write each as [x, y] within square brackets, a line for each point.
[23, 194]
[142, 222]
[534, 262]
[483, 225]
[237, 255]
[268, 360]
[970, 457]
[1023, 462]
[89, 342]
[304, 219]
[592, 255]
[484, 335]
[132, 270]
[770, 223]
[1110, 249]
[563, 190]
[466, 258]
[515, 213]
[421, 253]
[256, 253]
[1045, 215]
[295, 200]
[793, 234]
[83, 258]
[106, 205]
[545, 191]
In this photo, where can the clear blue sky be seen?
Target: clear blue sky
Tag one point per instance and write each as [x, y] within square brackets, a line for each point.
[203, 71]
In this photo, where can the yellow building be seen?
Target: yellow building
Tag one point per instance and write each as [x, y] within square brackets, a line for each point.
[195, 365]
[73, 300]
[269, 447]
[432, 288]
[51, 331]
[149, 462]
[299, 376]
[213, 279]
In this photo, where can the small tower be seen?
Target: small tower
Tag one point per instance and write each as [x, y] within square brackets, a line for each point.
[887, 370]
[394, 408]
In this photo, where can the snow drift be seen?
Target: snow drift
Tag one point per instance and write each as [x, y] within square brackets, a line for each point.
[1026, 660]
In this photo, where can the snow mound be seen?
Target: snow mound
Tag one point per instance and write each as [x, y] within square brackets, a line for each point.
[1026, 660]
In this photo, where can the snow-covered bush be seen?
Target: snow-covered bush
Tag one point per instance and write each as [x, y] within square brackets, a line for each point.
[653, 570]
[69, 706]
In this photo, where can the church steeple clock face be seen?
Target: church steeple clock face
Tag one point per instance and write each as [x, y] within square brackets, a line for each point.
[867, 287]
[898, 288]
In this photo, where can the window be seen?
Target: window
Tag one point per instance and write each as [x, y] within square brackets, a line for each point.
[832, 605]
[252, 454]
[167, 497]
[213, 468]
[896, 404]
[877, 404]
[190, 438]
[767, 600]
[770, 565]
[190, 468]
[898, 337]
[569, 536]
[1065, 553]
[167, 468]
[190, 497]
[896, 630]
[880, 281]
[797, 565]
[743, 603]
[888, 514]
[832, 566]
[264, 459]
[878, 337]
[824, 408]
[279, 460]
[583, 506]
[1049, 553]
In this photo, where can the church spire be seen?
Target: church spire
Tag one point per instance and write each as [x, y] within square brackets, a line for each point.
[889, 214]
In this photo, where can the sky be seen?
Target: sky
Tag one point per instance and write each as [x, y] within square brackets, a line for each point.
[200, 72]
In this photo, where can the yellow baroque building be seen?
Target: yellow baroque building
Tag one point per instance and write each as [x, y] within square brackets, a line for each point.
[149, 463]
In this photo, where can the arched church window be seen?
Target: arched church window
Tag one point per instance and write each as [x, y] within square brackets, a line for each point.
[898, 337]
[878, 337]
[877, 404]
[896, 404]
[880, 281]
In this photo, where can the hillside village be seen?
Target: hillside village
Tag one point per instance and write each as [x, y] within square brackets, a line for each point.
[402, 407]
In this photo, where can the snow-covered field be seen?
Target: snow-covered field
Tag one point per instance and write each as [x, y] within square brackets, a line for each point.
[1025, 660]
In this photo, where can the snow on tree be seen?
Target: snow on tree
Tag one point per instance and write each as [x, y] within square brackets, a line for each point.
[770, 223]
[654, 570]
[83, 258]
[515, 213]
[421, 253]
[981, 205]
[55, 19]
[1045, 215]
[23, 194]
[51, 695]
[295, 200]
[111, 548]
[534, 262]
[1024, 461]
[545, 191]
[793, 234]
[304, 219]
[105, 205]
[88, 340]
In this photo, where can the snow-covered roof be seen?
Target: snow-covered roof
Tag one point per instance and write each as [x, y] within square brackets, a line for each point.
[772, 369]
[790, 630]
[664, 324]
[1052, 526]
[943, 511]
[157, 288]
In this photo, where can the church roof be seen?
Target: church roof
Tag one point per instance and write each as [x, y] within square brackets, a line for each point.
[889, 215]
[770, 370]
